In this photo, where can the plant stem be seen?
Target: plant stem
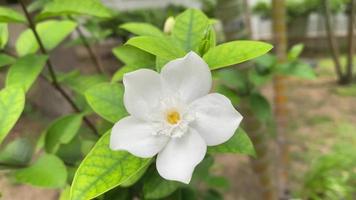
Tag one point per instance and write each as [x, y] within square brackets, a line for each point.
[52, 74]
[98, 66]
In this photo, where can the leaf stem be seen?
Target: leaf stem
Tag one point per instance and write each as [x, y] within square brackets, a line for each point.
[52, 74]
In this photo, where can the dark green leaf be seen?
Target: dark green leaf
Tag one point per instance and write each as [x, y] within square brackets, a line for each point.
[155, 187]
[235, 52]
[25, 71]
[104, 169]
[107, 100]
[48, 171]
[18, 152]
[238, 143]
[80, 83]
[260, 107]
[6, 60]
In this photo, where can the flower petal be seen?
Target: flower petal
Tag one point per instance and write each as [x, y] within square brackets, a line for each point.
[142, 92]
[136, 137]
[216, 119]
[180, 156]
[190, 76]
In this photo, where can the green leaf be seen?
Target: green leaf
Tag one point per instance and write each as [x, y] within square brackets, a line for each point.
[65, 194]
[25, 71]
[295, 52]
[238, 143]
[62, 131]
[9, 15]
[48, 171]
[77, 7]
[142, 29]
[297, 69]
[158, 46]
[119, 74]
[107, 100]
[190, 28]
[6, 60]
[104, 169]
[209, 40]
[51, 32]
[235, 52]
[4, 35]
[18, 152]
[134, 57]
[80, 83]
[12, 102]
[155, 187]
[260, 107]
[132, 180]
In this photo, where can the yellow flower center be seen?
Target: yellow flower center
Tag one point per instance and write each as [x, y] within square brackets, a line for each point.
[173, 117]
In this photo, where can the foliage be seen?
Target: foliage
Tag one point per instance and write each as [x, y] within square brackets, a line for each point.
[68, 156]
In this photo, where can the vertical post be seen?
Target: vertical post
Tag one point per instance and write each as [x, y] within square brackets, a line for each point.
[280, 97]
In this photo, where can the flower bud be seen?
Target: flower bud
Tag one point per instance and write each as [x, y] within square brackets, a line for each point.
[169, 24]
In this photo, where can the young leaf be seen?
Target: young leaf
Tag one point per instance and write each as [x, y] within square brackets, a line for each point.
[104, 169]
[158, 46]
[155, 187]
[261, 107]
[190, 28]
[18, 152]
[48, 171]
[295, 52]
[134, 57]
[239, 143]
[12, 102]
[235, 52]
[6, 60]
[77, 7]
[51, 32]
[4, 35]
[25, 71]
[8, 15]
[107, 100]
[142, 29]
[62, 131]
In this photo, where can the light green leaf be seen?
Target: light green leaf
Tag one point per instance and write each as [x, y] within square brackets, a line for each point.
[62, 131]
[235, 52]
[51, 32]
[158, 46]
[238, 143]
[142, 29]
[107, 100]
[209, 40]
[298, 69]
[190, 28]
[75, 7]
[80, 83]
[134, 57]
[155, 187]
[12, 102]
[104, 169]
[9, 15]
[4, 35]
[17, 152]
[6, 60]
[119, 74]
[65, 194]
[295, 52]
[48, 171]
[132, 180]
[260, 107]
[25, 71]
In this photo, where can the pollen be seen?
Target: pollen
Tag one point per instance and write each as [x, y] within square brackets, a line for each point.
[173, 117]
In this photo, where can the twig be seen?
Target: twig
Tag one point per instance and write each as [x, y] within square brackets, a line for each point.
[52, 74]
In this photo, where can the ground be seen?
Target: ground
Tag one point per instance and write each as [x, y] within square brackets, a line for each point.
[319, 111]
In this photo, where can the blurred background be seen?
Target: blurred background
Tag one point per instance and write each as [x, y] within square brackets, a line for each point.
[304, 130]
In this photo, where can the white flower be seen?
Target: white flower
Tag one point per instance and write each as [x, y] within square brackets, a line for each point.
[172, 115]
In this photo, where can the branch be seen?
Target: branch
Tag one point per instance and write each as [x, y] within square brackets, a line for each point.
[52, 74]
